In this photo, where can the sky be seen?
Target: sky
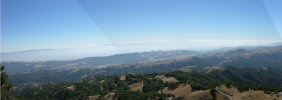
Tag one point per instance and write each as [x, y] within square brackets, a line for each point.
[119, 26]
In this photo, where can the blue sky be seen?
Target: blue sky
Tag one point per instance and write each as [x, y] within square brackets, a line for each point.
[54, 24]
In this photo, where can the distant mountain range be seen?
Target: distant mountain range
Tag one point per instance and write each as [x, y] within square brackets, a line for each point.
[96, 62]
[101, 50]
[146, 62]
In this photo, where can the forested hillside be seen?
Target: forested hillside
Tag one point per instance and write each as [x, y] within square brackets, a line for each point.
[266, 79]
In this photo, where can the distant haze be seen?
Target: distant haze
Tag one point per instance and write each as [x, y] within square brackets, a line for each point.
[119, 48]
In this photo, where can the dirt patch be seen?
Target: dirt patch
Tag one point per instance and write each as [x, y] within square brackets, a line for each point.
[71, 88]
[122, 78]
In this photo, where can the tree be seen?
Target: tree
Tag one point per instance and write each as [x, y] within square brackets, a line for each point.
[213, 94]
[5, 85]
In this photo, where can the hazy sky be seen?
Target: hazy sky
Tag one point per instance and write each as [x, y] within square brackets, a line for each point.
[54, 24]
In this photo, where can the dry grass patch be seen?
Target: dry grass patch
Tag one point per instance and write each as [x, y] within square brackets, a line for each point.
[167, 79]
[136, 87]
[248, 95]
[199, 95]
[181, 91]
[95, 97]
[229, 90]
[255, 95]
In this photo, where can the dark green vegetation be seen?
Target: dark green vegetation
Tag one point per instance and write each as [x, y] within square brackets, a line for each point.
[91, 87]
[267, 79]
[5, 85]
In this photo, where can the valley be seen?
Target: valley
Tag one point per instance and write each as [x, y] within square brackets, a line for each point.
[241, 73]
